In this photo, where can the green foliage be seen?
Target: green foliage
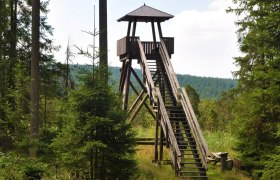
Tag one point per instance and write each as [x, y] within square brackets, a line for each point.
[206, 87]
[13, 166]
[194, 98]
[219, 141]
[272, 166]
[95, 133]
[257, 97]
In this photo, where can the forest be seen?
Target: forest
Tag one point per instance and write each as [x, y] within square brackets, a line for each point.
[206, 87]
[62, 121]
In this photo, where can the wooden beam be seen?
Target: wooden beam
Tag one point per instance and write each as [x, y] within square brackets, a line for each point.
[128, 29]
[161, 145]
[134, 28]
[138, 108]
[138, 79]
[156, 140]
[159, 29]
[126, 85]
[154, 34]
[145, 104]
[138, 99]
[123, 74]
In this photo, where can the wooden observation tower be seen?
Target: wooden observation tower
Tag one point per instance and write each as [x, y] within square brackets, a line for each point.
[176, 125]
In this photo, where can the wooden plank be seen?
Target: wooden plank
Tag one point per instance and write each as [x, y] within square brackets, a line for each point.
[145, 104]
[126, 85]
[138, 108]
[138, 99]
[138, 79]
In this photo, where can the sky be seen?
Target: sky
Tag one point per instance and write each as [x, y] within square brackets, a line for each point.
[205, 38]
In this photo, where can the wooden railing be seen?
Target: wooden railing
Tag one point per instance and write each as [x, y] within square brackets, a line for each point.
[149, 47]
[128, 45]
[182, 97]
[155, 96]
[169, 43]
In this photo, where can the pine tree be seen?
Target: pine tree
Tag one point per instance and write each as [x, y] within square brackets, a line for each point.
[96, 133]
[258, 108]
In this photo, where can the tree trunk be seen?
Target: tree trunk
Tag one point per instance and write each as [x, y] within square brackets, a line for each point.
[35, 56]
[12, 51]
[103, 41]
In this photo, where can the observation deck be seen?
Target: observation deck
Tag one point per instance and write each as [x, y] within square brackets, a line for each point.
[128, 48]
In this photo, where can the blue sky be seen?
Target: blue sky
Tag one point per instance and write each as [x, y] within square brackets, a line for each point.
[205, 39]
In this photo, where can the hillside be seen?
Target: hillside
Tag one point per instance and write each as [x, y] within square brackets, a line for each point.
[207, 87]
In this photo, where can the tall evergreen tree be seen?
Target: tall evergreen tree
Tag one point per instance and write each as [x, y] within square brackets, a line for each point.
[96, 142]
[258, 102]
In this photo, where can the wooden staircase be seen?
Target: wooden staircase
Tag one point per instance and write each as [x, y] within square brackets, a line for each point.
[182, 134]
[190, 161]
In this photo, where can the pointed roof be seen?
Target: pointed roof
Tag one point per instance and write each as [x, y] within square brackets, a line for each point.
[146, 14]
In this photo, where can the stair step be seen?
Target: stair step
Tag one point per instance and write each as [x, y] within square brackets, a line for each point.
[195, 150]
[199, 177]
[189, 158]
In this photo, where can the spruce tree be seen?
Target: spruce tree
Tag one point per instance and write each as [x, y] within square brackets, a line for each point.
[258, 98]
[95, 142]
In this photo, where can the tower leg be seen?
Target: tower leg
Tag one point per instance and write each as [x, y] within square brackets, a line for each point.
[156, 141]
[126, 84]
[161, 145]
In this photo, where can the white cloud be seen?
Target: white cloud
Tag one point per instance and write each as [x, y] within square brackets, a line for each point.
[205, 41]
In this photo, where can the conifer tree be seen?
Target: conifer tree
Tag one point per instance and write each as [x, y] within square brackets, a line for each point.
[258, 108]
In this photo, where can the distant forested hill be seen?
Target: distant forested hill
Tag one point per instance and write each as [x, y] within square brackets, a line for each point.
[207, 87]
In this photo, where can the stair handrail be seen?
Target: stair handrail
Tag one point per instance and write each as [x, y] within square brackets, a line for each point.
[181, 96]
[154, 92]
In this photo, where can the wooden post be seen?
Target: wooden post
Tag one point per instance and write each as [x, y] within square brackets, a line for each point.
[134, 28]
[154, 34]
[161, 145]
[224, 161]
[156, 139]
[123, 75]
[128, 29]
[126, 85]
[159, 29]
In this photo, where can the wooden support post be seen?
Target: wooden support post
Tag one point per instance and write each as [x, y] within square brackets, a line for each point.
[145, 104]
[159, 29]
[134, 28]
[138, 99]
[123, 75]
[154, 34]
[144, 89]
[224, 156]
[126, 85]
[138, 80]
[138, 108]
[128, 29]
[161, 145]
[156, 139]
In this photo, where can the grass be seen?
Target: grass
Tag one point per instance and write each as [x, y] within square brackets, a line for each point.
[220, 142]
[217, 142]
[149, 170]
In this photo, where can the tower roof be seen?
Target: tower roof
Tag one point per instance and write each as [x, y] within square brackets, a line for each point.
[146, 14]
